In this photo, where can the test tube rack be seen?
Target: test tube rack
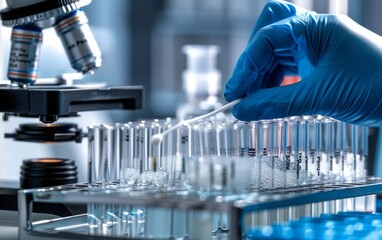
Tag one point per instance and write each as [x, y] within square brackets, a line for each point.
[212, 179]
[236, 206]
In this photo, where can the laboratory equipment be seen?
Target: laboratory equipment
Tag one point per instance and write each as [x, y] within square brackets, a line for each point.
[194, 212]
[45, 172]
[23, 61]
[212, 178]
[201, 81]
[28, 96]
[29, 18]
[217, 153]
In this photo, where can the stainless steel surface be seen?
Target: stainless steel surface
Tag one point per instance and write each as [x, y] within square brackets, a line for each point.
[9, 233]
[9, 223]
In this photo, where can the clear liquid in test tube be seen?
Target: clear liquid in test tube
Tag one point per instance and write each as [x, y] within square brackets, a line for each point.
[156, 160]
[221, 166]
[253, 128]
[325, 143]
[221, 161]
[98, 155]
[142, 156]
[278, 153]
[264, 145]
[107, 165]
[349, 151]
[336, 151]
[166, 158]
[291, 154]
[92, 146]
[129, 172]
[239, 162]
[301, 150]
[312, 145]
[117, 151]
[197, 167]
[210, 159]
[182, 153]
[361, 148]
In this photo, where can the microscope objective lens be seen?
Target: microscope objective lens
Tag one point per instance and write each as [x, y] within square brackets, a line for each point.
[24, 55]
[79, 43]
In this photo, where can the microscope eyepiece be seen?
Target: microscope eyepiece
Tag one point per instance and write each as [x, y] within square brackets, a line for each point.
[79, 43]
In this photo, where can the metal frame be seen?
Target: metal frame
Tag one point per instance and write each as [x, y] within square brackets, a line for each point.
[236, 205]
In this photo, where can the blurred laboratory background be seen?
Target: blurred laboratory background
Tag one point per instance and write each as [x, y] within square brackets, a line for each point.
[141, 43]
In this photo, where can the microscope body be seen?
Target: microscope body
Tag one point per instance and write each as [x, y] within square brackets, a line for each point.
[28, 96]
[24, 96]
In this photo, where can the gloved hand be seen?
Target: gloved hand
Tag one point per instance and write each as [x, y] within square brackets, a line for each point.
[339, 63]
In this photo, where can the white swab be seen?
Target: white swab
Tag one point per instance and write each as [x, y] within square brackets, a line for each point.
[157, 138]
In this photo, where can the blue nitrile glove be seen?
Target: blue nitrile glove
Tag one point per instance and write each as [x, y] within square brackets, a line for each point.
[339, 62]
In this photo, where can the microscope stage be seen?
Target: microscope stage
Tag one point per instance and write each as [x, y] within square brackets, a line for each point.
[59, 101]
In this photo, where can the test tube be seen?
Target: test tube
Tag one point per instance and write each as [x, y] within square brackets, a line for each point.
[94, 158]
[349, 151]
[242, 129]
[182, 153]
[156, 161]
[240, 163]
[175, 150]
[361, 143]
[253, 128]
[97, 169]
[118, 142]
[221, 167]
[291, 151]
[279, 170]
[222, 171]
[129, 168]
[303, 151]
[325, 144]
[91, 155]
[337, 151]
[103, 171]
[130, 217]
[108, 163]
[197, 170]
[300, 148]
[142, 153]
[264, 145]
[142, 161]
[312, 145]
[167, 151]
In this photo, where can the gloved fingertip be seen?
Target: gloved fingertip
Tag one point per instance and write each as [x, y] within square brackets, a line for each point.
[228, 96]
[235, 113]
[240, 114]
[263, 104]
[234, 88]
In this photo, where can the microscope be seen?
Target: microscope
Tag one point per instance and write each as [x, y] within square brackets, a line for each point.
[26, 96]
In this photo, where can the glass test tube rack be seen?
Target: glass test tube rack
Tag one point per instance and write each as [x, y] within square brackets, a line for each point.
[215, 171]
